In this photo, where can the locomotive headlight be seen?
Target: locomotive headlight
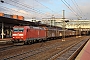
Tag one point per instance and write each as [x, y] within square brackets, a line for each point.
[20, 34]
[21, 37]
[14, 34]
[13, 37]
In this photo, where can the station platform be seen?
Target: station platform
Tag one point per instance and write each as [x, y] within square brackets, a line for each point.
[85, 52]
[5, 41]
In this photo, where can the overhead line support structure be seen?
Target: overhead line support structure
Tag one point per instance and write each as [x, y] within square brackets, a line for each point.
[63, 36]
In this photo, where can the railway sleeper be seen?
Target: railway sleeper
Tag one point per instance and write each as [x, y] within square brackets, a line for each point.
[70, 55]
[61, 58]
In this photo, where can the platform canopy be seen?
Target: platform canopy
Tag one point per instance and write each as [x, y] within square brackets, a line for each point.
[15, 21]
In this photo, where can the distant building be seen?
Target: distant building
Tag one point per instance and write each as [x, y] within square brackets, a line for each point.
[53, 21]
[70, 24]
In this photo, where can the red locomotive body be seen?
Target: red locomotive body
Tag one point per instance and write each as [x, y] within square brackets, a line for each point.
[28, 33]
[19, 33]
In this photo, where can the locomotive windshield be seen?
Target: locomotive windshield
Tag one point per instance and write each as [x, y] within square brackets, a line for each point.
[18, 29]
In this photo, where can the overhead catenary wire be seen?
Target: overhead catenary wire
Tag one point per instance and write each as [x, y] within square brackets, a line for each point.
[31, 8]
[72, 9]
[37, 11]
[44, 6]
[23, 7]
[81, 12]
[40, 4]
[47, 7]
[68, 5]
[26, 6]
[16, 12]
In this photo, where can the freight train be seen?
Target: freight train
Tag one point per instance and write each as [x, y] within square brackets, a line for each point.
[31, 34]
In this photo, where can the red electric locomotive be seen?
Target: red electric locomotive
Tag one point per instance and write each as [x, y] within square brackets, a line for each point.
[28, 34]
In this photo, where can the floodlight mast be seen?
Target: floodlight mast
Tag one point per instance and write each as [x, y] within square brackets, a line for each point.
[63, 35]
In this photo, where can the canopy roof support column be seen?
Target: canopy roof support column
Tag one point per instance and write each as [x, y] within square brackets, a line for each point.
[2, 30]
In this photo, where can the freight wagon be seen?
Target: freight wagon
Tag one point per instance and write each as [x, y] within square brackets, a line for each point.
[30, 34]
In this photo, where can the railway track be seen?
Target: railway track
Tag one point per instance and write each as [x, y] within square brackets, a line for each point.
[2, 49]
[9, 47]
[31, 52]
[70, 53]
[50, 53]
[44, 53]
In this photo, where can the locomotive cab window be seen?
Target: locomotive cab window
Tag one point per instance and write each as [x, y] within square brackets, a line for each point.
[21, 29]
[18, 29]
[15, 29]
